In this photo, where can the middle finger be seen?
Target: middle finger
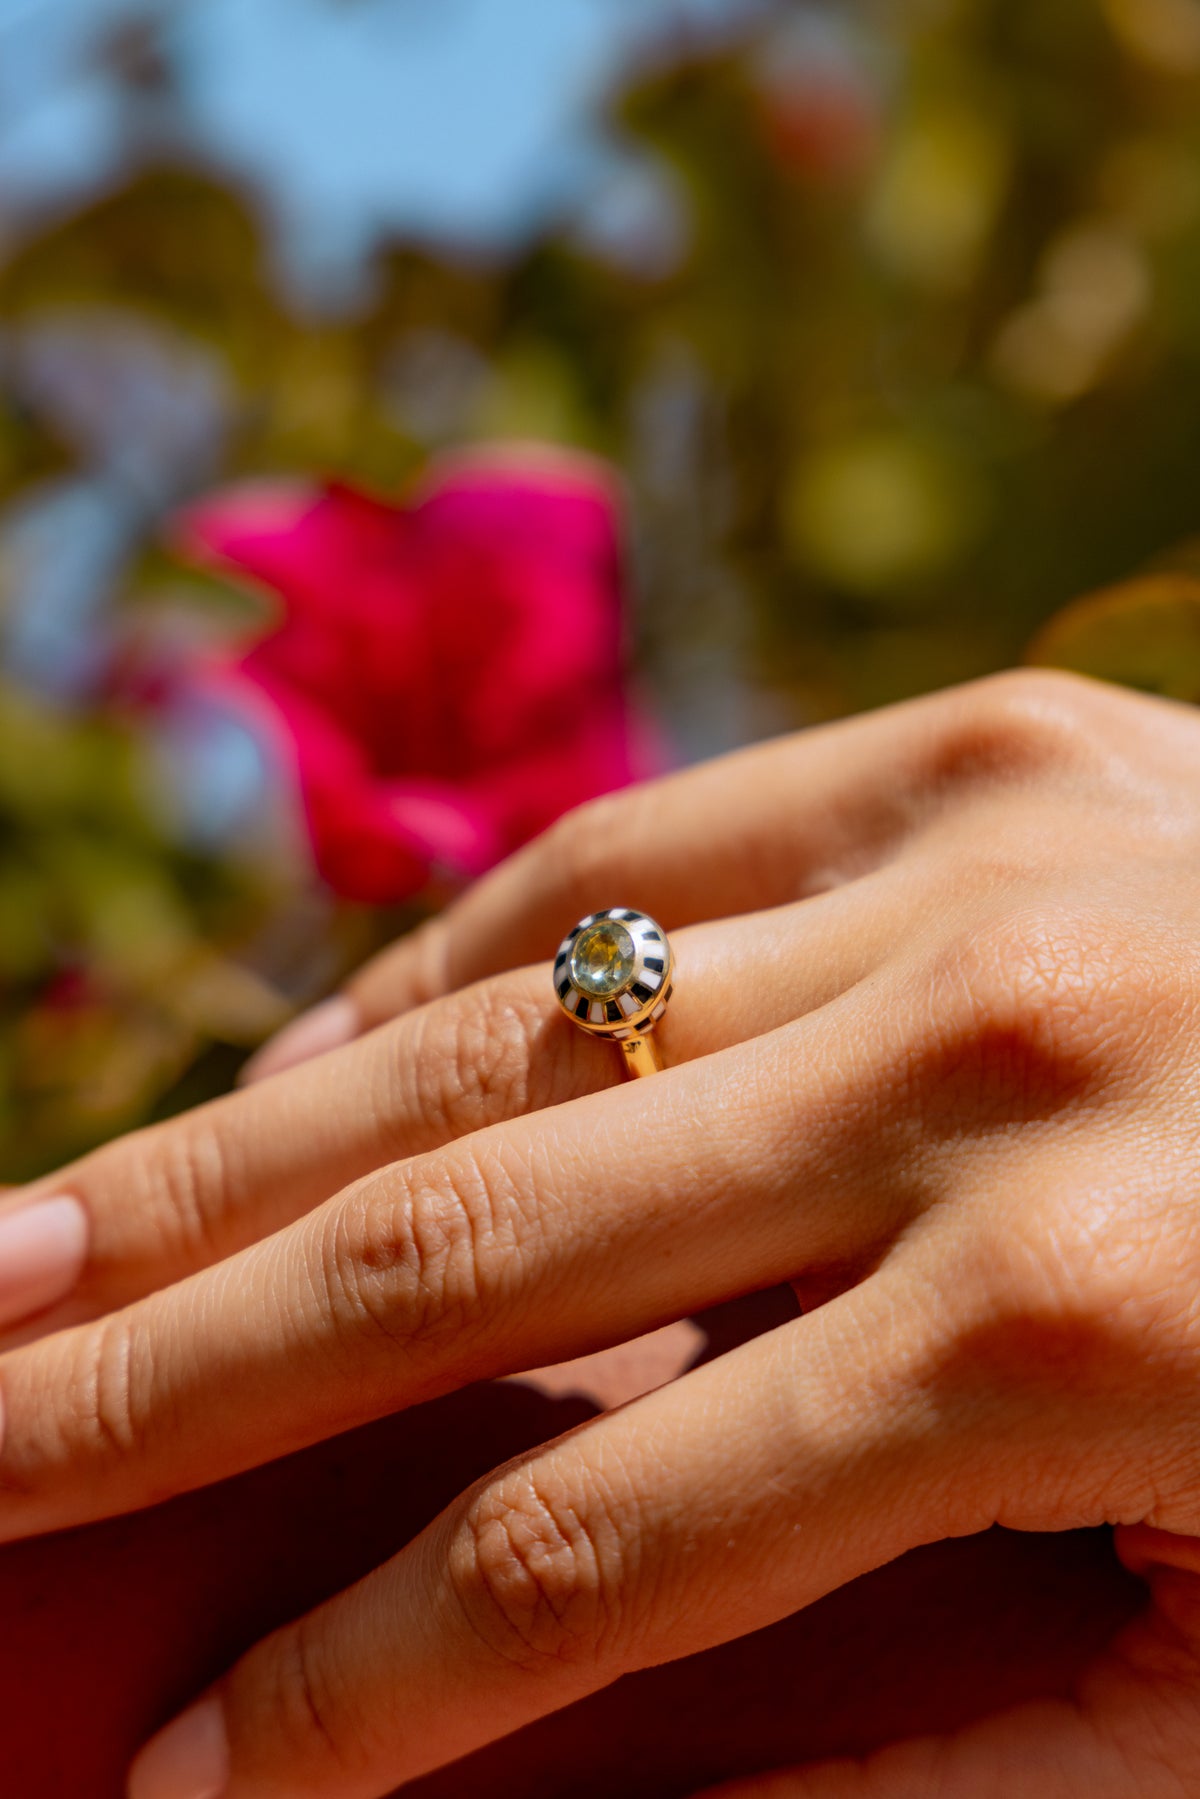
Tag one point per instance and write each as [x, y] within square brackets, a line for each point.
[531, 1241]
[190, 1192]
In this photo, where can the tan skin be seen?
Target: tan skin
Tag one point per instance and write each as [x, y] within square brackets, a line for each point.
[109, 1628]
[934, 1062]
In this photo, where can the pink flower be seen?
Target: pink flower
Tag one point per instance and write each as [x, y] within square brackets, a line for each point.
[446, 676]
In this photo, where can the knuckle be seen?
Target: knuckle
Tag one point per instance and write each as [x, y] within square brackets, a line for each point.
[472, 1060]
[1042, 1002]
[540, 1570]
[1058, 1267]
[1071, 1288]
[108, 1405]
[414, 1258]
[174, 1182]
[1109, 1262]
[1016, 724]
[294, 1701]
[1063, 1329]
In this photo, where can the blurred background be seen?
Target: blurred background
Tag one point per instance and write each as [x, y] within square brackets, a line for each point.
[885, 316]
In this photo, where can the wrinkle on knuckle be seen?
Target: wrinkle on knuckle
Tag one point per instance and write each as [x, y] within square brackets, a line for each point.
[541, 1574]
[471, 1062]
[108, 1409]
[199, 1182]
[176, 1182]
[298, 1704]
[413, 1260]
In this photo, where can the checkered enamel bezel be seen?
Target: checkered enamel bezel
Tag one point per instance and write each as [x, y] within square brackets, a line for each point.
[641, 1002]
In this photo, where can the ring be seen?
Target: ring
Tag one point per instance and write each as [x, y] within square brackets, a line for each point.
[612, 976]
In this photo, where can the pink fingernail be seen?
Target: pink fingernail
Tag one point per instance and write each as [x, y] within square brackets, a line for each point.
[327, 1026]
[43, 1247]
[187, 1760]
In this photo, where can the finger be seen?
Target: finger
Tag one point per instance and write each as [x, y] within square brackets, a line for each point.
[154, 1207]
[1131, 1726]
[769, 824]
[1054, 1750]
[527, 1243]
[737, 1495]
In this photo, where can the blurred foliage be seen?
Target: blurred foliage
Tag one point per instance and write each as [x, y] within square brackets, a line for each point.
[110, 984]
[901, 357]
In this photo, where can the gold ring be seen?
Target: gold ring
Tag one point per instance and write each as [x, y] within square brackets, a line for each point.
[612, 976]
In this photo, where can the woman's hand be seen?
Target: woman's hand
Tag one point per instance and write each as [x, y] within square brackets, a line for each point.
[107, 1629]
[945, 1084]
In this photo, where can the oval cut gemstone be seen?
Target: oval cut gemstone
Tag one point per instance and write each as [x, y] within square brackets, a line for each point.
[603, 959]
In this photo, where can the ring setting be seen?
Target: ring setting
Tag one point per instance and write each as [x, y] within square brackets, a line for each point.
[612, 977]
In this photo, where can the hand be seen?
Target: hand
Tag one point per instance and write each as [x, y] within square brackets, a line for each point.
[107, 1627]
[946, 1085]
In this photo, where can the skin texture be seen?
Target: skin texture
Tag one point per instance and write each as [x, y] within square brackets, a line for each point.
[932, 1062]
[112, 1626]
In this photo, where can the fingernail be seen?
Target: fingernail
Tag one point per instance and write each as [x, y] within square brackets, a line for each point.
[42, 1251]
[327, 1026]
[187, 1760]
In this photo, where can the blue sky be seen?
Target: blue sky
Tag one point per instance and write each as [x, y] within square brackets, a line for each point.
[460, 120]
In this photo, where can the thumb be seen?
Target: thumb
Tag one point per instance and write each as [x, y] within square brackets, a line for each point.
[1043, 1751]
[1132, 1726]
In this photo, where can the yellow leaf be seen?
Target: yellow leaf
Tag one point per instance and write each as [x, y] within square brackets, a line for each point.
[1144, 633]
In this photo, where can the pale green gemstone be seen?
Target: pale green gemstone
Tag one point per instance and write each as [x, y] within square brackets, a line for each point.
[603, 959]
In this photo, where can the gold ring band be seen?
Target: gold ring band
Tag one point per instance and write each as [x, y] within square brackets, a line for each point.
[612, 978]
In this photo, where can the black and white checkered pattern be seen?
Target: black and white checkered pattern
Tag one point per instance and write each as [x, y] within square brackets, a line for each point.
[642, 1001]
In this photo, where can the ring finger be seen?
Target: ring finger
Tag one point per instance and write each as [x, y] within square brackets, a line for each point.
[772, 823]
[527, 1242]
[159, 1205]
